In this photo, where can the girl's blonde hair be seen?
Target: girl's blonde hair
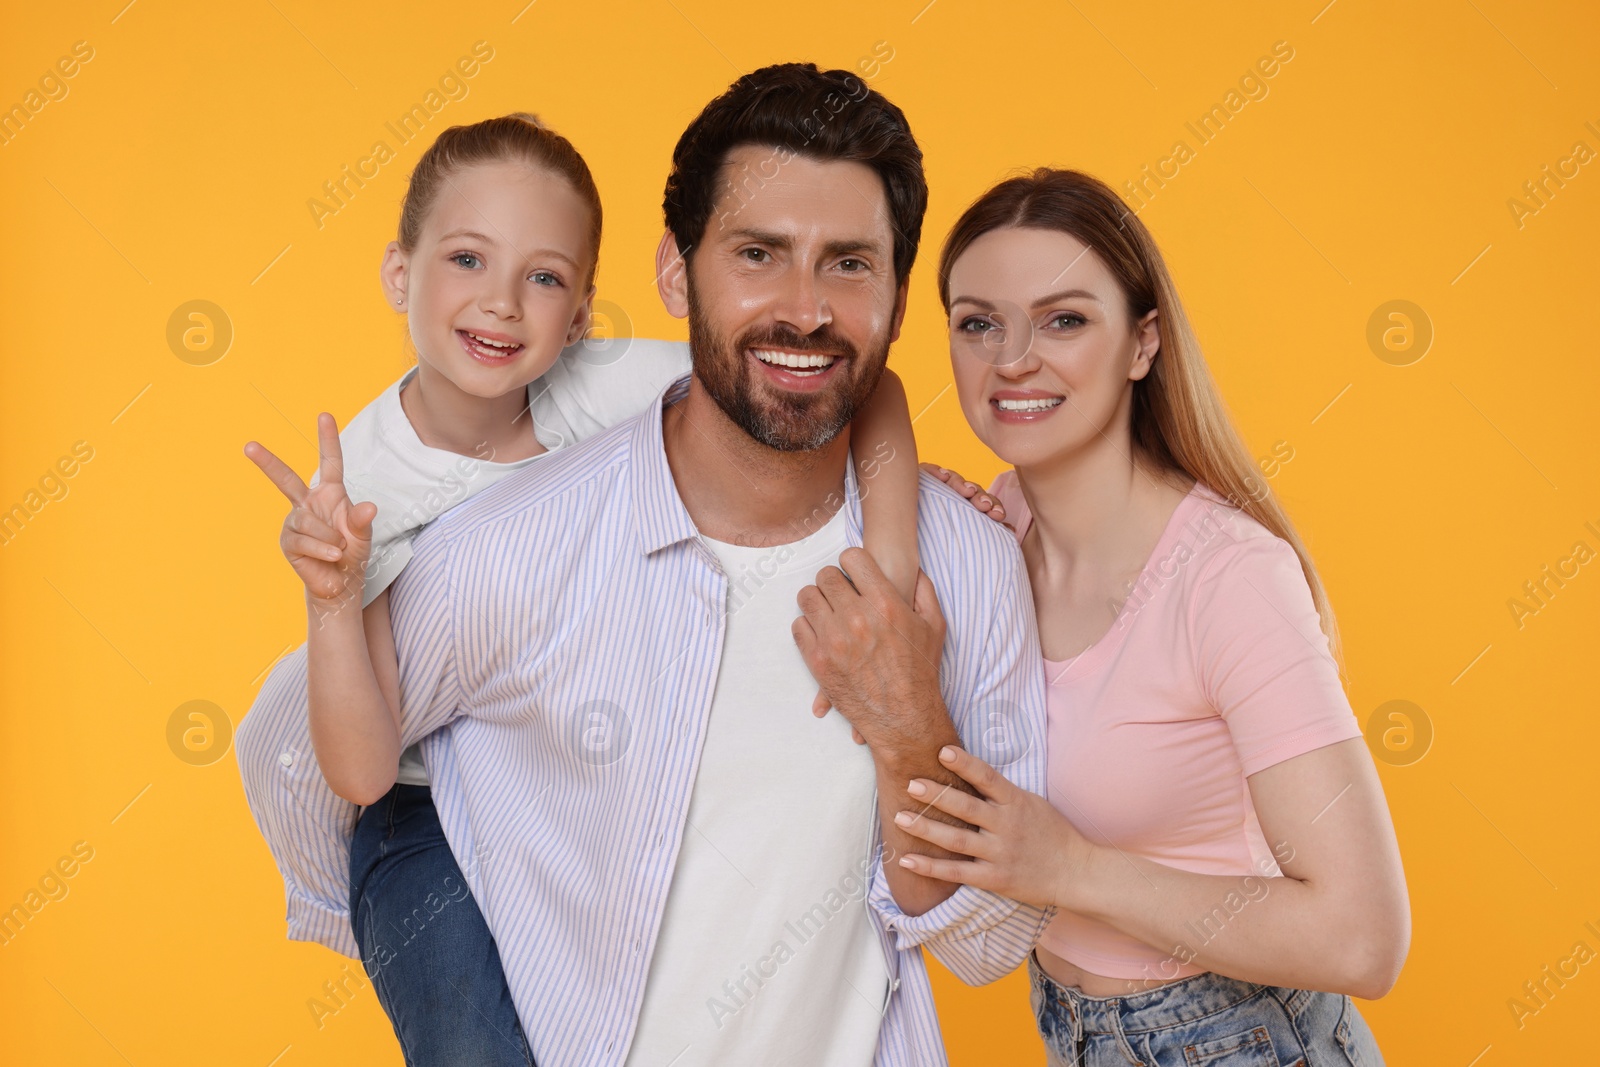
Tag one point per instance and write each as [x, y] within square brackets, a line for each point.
[515, 138]
[1179, 420]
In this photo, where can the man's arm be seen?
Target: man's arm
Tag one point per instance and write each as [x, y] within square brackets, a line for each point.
[997, 711]
[878, 659]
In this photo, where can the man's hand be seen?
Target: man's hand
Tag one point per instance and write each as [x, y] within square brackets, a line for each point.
[876, 656]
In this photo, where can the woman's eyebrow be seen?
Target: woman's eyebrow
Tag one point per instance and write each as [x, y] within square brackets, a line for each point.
[1065, 294]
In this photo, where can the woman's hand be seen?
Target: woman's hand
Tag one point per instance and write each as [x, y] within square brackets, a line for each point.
[981, 500]
[326, 538]
[1022, 847]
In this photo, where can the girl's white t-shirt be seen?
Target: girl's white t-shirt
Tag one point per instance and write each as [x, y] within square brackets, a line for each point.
[593, 386]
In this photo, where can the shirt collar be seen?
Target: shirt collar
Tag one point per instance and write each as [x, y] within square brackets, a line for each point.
[661, 518]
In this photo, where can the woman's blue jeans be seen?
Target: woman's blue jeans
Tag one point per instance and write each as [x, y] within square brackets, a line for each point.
[424, 943]
[1203, 1021]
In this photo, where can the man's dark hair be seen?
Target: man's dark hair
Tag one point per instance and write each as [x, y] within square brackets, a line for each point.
[796, 109]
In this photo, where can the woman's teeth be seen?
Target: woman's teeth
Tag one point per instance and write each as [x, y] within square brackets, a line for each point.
[806, 365]
[1043, 403]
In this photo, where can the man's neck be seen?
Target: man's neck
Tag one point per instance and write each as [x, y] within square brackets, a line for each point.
[737, 489]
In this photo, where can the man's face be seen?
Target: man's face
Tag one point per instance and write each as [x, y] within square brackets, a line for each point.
[792, 295]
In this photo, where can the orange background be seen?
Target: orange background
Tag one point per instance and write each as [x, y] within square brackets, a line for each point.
[1378, 167]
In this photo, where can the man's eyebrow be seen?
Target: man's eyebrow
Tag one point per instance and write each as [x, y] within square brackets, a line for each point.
[1065, 294]
[832, 248]
[765, 237]
[534, 254]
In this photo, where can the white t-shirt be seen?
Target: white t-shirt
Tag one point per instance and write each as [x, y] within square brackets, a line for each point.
[592, 386]
[767, 953]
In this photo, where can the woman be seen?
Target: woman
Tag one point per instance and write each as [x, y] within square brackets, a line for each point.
[1215, 836]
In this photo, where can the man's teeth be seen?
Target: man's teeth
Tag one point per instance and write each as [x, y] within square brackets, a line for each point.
[491, 344]
[1043, 403]
[791, 359]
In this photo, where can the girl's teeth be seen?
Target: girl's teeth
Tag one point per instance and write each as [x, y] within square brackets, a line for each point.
[791, 359]
[1039, 404]
[489, 343]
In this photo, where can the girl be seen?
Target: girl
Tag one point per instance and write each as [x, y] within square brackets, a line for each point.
[1215, 836]
[494, 268]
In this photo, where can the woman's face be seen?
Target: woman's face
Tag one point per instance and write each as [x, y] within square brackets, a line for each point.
[1043, 348]
[497, 284]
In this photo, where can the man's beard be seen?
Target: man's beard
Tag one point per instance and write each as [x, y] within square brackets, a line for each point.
[786, 421]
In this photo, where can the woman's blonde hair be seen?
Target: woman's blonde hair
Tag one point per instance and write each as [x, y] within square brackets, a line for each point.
[1180, 422]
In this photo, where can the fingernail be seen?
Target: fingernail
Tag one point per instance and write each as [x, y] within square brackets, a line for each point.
[907, 861]
[904, 818]
[947, 754]
[916, 788]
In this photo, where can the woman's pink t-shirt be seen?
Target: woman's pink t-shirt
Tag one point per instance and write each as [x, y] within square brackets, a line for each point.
[1215, 668]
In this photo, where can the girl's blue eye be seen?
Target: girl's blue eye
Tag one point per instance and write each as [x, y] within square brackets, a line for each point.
[544, 277]
[459, 256]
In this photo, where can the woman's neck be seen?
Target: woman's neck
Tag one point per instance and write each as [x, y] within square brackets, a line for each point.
[1088, 506]
[445, 417]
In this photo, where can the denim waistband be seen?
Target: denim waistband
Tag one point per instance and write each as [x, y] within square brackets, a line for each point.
[1185, 1000]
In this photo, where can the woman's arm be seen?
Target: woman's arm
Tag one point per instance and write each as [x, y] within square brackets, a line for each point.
[886, 472]
[1338, 920]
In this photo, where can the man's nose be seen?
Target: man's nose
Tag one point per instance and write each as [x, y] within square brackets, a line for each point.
[802, 303]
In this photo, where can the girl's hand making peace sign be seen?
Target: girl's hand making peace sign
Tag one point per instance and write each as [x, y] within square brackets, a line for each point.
[326, 538]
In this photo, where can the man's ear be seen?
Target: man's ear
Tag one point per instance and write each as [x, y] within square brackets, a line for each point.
[581, 319]
[900, 295]
[392, 276]
[672, 277]
[1148, 336]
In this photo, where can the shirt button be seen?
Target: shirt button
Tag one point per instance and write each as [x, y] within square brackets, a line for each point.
[286, 759]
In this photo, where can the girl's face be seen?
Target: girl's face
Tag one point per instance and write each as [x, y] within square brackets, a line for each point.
[497, 284]
[1043, 348]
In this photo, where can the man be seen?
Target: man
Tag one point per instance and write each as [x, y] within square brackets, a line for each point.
[679, 865]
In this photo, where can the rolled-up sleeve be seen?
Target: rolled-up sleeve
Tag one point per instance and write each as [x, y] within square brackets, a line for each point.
[996, 700]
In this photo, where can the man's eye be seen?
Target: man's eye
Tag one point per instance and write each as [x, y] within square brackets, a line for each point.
[755, 255]
[852, 265]
[459, 256]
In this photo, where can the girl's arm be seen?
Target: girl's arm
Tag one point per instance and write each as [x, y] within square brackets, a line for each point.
[886, 472]
[352, 677]
[350, 657]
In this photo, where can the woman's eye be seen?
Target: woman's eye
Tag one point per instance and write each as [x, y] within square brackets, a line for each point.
[544, 277]
[1067, 320]
[976, 326]
[459, 256]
